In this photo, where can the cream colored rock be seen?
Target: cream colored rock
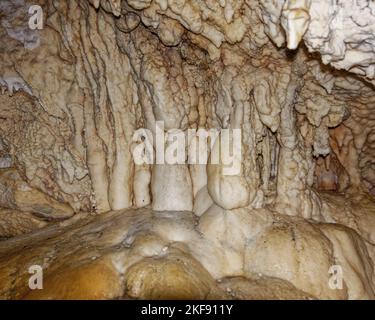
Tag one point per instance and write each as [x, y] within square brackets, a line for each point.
[308, 270]
[226, 184]
[295, 199]
[202, 202]
[295, 20]
[171, 188]
[142, 181]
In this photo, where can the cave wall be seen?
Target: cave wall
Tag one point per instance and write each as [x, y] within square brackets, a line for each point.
[189, 65]
[298, 84]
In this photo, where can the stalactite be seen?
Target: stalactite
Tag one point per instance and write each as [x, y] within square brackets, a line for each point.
[254, 126]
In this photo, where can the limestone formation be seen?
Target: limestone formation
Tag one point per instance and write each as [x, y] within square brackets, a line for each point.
[211, 149]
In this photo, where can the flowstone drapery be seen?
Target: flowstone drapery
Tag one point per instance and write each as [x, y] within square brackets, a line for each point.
[291, 81]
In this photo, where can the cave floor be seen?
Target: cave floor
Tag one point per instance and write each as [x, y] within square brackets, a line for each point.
[236, 254]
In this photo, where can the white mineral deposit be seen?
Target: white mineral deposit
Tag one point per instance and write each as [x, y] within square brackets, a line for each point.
[187, 149]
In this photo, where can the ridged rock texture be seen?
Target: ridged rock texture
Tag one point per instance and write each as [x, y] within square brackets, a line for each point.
[295, 76]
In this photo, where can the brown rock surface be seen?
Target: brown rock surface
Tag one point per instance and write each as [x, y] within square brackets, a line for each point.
[14, 223]
[157, 255]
